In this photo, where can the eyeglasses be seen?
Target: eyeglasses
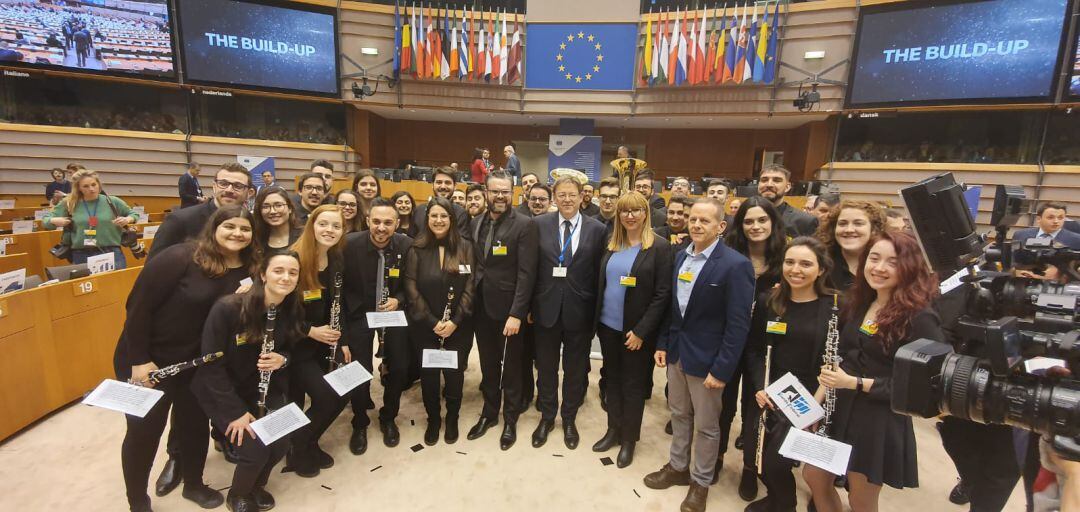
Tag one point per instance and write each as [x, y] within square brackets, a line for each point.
[313, 188]
[271, 207]
[609, 197]
[226, 184]
[500, 193]
[346, 204]
[538, 199]
[634, 212]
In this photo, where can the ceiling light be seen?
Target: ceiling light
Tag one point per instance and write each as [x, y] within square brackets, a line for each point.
[814, 55]
[367, 50]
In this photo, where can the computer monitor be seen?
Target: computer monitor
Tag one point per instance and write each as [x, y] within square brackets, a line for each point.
[67, 272]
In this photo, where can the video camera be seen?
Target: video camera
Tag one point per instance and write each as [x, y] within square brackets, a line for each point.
[1004, 322]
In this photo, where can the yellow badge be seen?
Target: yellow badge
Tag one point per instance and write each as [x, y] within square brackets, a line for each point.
[312, 295]
[628, 281]
[395, 272]
[686, 277]
[776, 328]
[498, 250]
[240, 339]
[869, 328]
[90, 232]
[674, 239]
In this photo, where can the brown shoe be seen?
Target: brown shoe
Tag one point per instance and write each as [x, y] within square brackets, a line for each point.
[695, 498]
[667, 477]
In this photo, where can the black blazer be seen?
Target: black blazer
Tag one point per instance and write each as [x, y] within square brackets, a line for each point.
[570, 300]
[426, 285]
[1064, 237]
[189, 190]
[361, 266]
[796, 221]
[181, 226]
[461, 219]
[505, 283]
[646, 303]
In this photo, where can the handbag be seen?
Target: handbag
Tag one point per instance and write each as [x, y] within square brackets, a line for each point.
[128, 236]
[62, 250]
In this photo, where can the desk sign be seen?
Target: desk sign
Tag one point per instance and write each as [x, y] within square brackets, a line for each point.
[7, 204]
[149, 232]
[13, 281]
[21, 227]
[84, 287]
[101, 263]
[40, 214]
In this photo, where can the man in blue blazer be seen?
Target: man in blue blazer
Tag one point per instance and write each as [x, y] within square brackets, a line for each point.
[708, 323]
[1050, 222]
[190, 192]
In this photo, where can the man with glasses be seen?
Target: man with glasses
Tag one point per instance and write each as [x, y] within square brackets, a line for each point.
[527, 181]
[644, 186]
[539, 201]
[588, 209]
[312, 194]
[325, 170]
[232, 185]
[680, 187]
[443, 182]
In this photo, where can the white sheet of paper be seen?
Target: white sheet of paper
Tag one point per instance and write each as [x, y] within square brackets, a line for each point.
[123, 397]
[380, 319]
[138, 209]
[347, 377]
[279, 423]
[7, 204]
[795, 401]
[143, 218]
[954, 281]
[13, 281]
[246, 281]
[19, 227]
[818, 451]
[99, 263]
[149, 232]
[1041, 364]
[434, 358]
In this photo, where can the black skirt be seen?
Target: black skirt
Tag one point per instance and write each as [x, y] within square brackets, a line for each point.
[882, 441]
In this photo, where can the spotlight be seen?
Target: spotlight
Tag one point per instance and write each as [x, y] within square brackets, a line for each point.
[808, 99]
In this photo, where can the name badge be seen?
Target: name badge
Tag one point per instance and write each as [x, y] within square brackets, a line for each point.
[312, 295]
[240, 339]
[869, 328]
[90, 241]
[686, 277]
[464, 269]
[395, 272]
[674, 239]
[498, 250]
[628, 281]
[90, 232]
[558, 272]
[776, 328]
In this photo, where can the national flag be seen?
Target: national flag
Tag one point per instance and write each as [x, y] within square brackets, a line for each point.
[699, 57]
[514, 64]
[397, 42]
[751, 48]
[721, 47]
[496, 49]
[429, 43]
[411, 66]
[481, 52]
[680, 65]
[691, 52]
[774, 44]
[710, 53]
[732, 46]
[463, 51]
[434, 47]
[663, 70]
[761, 46]
[740, 49]
[654, 62]
[647, 53]
[504, 51]
[455, 56]
[447, 39]
[673, 50]
[472, 45]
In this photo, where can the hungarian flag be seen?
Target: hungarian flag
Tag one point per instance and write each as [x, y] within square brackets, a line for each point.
[647, 55]
[514, 64]
[774, 43]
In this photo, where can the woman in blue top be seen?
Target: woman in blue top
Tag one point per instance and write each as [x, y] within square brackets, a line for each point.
[57, 189]
[635, 290]
[95, 220]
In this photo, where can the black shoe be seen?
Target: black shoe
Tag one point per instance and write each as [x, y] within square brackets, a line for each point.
[141, 507]
[241, 504]
[323, 459]
[571, 435]
[451, 435]
[761, 505]
[203, 495]
[302, 462]
[431, 435]
[169, 478]
[230, 453]
[508, 437]
[626, 455]
[481, 427]
[610, 440]
[358, 441]
[748, 485]
[391, 435]
[739, 442]
[540, 435]
[263, 499]
[667, 428]
[959, 494]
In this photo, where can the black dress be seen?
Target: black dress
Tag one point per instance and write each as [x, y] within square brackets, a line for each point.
[882, 441]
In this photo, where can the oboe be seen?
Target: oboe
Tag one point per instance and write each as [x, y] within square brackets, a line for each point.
[446, 313]
[830, 358]
[156, 376]
[335, 321]
[267, 347]
[764, 412]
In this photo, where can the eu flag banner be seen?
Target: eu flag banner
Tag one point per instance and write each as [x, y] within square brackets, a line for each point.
[581, 56]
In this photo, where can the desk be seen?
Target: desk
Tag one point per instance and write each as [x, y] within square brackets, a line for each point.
[14, 262]
[56, 343]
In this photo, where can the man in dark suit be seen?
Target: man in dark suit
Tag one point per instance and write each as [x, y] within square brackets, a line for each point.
[1050, 223]
[506, 244]
[232, 185]
[302, 200]
[312, 194]
[443, 182]
[588, 209]
[644, 186]
[373, 262]
[1073, 226]
[675, 231]
[527, 181]
[774, 183]
[708, 323]
[564, 303]
[190, 191]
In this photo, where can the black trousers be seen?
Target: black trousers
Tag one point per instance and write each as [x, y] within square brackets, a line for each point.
[985, 460]
[576, 345]
[306, 378]
[255, 462]
[399, 356]
[431, 387]
[735, 392]
[776, 469]
[500, 367]
[528, 359]
[361, 344]
[144, 434]
[627, 373]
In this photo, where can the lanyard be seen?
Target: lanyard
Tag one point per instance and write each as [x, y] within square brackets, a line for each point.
[566, 243]
[92, 214]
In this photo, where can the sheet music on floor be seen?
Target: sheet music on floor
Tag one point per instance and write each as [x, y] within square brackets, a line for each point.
[795, 401]
[279, 423]
[818, 451]
[434, 358]
[380, 319]
[347, 377]
[123, 397]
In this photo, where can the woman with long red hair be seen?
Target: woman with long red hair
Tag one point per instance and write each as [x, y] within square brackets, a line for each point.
[888, 306]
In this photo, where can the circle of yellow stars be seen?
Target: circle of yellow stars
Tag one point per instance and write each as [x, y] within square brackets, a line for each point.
[580, 36]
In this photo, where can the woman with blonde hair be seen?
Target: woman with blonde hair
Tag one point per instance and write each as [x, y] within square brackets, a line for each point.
[93, 222]
[635, 292]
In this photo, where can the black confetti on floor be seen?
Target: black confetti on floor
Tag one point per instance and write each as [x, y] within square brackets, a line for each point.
[325, 487]
[556, 455]
[636, 494]
[374, 468]
[463, 453]
[417, 448]
[607, 461]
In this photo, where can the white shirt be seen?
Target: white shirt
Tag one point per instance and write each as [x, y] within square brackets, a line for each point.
[575, 235]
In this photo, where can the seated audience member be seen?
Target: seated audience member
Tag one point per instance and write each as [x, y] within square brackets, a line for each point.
[57, 189]
[1049, 223]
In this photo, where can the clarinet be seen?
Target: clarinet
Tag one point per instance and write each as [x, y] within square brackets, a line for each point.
[446, 313]
[830, 358]
[335, 321]
[384, 296]
[764, 412]
[267, 347]
[155, 377]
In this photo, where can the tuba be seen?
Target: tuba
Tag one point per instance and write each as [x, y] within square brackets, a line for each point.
[627, 170]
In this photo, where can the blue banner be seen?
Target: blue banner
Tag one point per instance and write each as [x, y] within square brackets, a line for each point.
[581, 152]
[581, 56]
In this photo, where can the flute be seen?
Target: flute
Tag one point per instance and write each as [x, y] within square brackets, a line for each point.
[764, 411]
[155, 377]
[267, 347]
[335, 322]
[446, 313]
[830, 358]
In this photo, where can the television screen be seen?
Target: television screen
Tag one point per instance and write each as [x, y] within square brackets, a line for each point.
[927, 53]
[107, 36]
[1074, 81]
[259, 45]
